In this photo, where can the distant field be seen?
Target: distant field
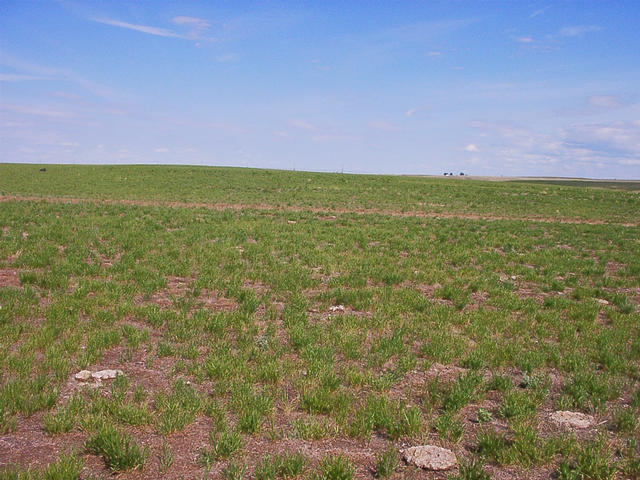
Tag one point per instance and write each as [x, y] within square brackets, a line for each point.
[299, 325]
[616, 184]
[377, 193]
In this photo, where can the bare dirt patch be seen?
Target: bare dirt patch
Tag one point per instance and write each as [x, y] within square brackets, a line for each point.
[9, 278]
[444, 372]
[477, 300]
[258, 287]
[105, 261]
[612, 268]
[212, 301]
[529, 290]
[30, 447]
[429, 291]
[179, 288]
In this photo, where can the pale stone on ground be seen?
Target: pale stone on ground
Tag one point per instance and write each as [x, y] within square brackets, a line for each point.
[430, 457]
[602, 301]
[572, 419]
[83, 375]
[106, 374]
[336, 308]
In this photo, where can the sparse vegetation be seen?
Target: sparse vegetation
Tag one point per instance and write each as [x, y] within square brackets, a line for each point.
[118, 450]
[335, 467]
[66, 467]
[280, 466]
[386, 462]
[317, 309]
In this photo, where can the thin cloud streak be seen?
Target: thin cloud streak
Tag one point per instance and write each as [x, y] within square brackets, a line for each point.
[578, 30]
[412, 111]
[15, 77]
[604, 101]
[51, 73]
[197, 25]
[161, 32]
[37, 111]
[539, 12]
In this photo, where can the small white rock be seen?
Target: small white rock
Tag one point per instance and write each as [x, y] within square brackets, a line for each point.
[602, 301]
[572, 419]
[83, 375]
[430, 457]
[106, 374]
[336, 308]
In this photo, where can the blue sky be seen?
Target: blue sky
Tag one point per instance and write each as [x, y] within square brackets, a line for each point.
[488, 88]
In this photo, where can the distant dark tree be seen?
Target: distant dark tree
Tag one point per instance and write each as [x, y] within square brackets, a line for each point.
[43, 169]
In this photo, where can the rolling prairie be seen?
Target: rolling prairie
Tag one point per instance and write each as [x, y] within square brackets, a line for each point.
[271, 324]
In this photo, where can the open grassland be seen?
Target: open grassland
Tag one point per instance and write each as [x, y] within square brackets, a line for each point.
[295, 325]
[631, 185]
[228, 187]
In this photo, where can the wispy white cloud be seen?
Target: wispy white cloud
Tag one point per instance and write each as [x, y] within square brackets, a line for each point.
[540, 11]
[161, 150]
[37, 111]
[412, 111]
[619, 139]
[604, 101]
[196, 23]
[550, 41]
[161, 32]
[52, 73]
[303, 125]
[471, 148]
[572, 148]
[434, 53]
[16, 77]
[578, 30]
[196, 26]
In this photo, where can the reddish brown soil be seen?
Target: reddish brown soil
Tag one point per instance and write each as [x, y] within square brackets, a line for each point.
[326, 213]
[9, 278]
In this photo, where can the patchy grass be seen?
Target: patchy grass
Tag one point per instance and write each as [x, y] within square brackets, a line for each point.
[118, 450]
[337, 314]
